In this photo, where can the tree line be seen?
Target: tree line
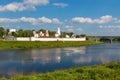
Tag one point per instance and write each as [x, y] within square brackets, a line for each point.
[29, 33]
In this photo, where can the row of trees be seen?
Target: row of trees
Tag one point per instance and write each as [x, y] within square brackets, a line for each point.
[29, 33]
[19, 33]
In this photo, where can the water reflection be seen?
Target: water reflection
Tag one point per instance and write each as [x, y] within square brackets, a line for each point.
[44, 60]
[53, 55]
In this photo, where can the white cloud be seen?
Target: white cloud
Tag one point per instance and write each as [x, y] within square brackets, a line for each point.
[82, 20]
[69, 28]
[56, 21]
[7, 20]
[104, 19]
[79, 29]
[33, 21]
[101, 20]
[13, 7]
[36, 2]
[44, 20]
[60, 4]
[109, 27]
[25, 5]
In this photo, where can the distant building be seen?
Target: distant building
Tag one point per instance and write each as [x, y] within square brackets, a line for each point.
[33, 32]
[67, 36]
[41, 34]
[58, 33]
[44, 37]
[36, 35]
[47, 33]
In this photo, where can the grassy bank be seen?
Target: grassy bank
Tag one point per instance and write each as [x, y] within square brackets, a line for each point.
[38, 44]
[109, 71]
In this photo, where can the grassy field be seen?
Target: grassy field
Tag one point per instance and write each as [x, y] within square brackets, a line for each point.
[40, 44]
[110, 71]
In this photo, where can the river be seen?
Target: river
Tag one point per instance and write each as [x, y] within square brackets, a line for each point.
[14, 62]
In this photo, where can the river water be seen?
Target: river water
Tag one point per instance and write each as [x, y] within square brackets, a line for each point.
[14, 62]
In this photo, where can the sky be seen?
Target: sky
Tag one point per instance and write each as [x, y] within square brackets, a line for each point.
[90, 17]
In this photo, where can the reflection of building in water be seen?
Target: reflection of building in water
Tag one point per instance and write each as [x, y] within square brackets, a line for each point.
[45, 56]
[54, 55]
[103, 58]
[82, 59]
[75, 50]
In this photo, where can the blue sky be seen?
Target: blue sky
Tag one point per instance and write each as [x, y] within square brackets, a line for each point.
[90, 17]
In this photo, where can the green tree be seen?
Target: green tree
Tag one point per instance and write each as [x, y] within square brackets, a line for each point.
[27, 33]
[1, 32]
[77, 36]
[82, 35]
[14, 34]
[43, 30]
[24, 33]
[70, 34]
[7, 32]
[20, 33]
[52, 33]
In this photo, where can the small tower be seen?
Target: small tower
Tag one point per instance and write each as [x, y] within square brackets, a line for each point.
[47, 33]
[58, 33]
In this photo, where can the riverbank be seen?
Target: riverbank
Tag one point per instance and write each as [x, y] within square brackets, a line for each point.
[110, 71]
[42, 44]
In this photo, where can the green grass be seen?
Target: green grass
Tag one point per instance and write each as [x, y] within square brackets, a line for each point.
[42, 44]
[110, 71]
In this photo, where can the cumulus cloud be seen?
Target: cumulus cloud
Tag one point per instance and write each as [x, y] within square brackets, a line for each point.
[60, 4]
[13, 7]
[69, 28]
[101, 20]
[33, 21]
[56, 21]
[36, 2]
[25, 5]
[109, 27]
[79, 29]
[44, 20]
[8, 20]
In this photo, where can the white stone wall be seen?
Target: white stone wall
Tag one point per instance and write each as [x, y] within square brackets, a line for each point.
[72, 39]
[43, 39]
[23, 39]
[49, 39]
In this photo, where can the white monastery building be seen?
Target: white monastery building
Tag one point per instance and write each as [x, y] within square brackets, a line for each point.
[39, 37]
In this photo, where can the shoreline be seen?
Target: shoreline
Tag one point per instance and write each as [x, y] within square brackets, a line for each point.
[107, 71]
[43, 44]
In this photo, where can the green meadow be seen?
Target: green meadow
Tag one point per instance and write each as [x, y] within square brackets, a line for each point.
[43, 44]
[110, 71]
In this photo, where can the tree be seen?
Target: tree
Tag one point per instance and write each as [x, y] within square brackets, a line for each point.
[1, 32]
[43, 30]
[52, 33]
[7, 32]
[24, 33]
[20, 33]
[77, 36]
[27, 33]
[14, 34]
[82, 35]
[70, 34]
